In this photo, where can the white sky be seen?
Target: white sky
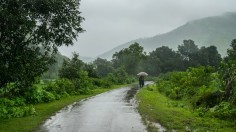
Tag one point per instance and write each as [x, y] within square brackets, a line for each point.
[109, 23]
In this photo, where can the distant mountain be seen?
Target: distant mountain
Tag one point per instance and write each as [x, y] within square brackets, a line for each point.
[215, 30]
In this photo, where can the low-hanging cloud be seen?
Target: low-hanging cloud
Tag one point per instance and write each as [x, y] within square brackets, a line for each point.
[109, 23]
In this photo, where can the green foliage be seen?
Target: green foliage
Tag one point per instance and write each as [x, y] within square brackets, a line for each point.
[83, 84]
[34, 95]
[48, 97]
[193, 56]
[30, 33]
[130, 79]
[121, 75]
[16, 107]
[174, 115]
[44, 111]
[103, 83]
[197, 85]
[130, 58]
[187, 48]
[231, 51]
[227, 70]
[71, 69]
[208, 56]
[59, 89]
[224, 110]
[90, 68]
[202, 88]
[163, 60]
[103, 67]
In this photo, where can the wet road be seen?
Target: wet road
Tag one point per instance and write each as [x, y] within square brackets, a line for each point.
[113, 111]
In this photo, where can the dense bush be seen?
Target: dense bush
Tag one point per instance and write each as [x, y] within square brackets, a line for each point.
[34, 95]
[15, 107]
[60, 86]
[104, 83]
[224, 110]
[202, 88]
[197, 85]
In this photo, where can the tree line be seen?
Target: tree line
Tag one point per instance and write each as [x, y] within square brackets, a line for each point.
[164, 59]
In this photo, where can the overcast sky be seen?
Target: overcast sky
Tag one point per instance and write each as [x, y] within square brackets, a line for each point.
[109, 23]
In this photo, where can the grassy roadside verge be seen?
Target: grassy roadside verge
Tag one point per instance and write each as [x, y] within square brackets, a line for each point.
[155, 107]
[43, 111]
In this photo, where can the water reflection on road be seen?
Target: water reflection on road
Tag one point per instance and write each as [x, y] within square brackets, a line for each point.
[112, 111]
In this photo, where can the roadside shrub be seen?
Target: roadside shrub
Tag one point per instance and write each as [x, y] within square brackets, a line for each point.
[105, 83]
[198, 86]
[34, 95]
[96, 82]
[60, 86]
[48, 97]
[120, 75]
[64, 85]
[130, 79]
[16, 107]
[82, 86]
[224, 110]
[58, 89]
[112, 78]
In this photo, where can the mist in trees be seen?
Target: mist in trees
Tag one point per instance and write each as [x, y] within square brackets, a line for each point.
[164, 59]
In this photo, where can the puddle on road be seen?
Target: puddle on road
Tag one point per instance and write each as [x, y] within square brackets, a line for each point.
[131, 93]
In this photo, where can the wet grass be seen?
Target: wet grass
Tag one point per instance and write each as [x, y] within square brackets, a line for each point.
[43, 112]
[155, 107]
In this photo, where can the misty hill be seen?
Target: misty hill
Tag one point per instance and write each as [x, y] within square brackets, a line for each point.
[52, 72]
[216, 30]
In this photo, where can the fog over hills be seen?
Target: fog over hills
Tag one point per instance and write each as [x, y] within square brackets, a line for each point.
[215, 30]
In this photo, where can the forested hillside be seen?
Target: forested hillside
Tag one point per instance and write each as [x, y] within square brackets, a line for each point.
[215, 30]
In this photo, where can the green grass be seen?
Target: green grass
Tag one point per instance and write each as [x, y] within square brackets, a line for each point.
[156, 107]
[43, 111]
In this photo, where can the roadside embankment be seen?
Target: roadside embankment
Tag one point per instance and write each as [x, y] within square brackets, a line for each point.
[173, 115]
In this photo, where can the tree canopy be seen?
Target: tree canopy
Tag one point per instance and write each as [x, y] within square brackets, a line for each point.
[103, 67]
[130, 58]
[30, 32]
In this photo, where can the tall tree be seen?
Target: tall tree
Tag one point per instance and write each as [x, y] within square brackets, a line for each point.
[30, 32]
[130, 58]
[232, 51]
[228, 73]
[164, 60]
[187, 48]
[103, 67]
[208, 56]
[189, 51]
[71, 69]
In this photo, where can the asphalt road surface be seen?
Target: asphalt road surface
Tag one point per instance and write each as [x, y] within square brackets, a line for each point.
[113, 111]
